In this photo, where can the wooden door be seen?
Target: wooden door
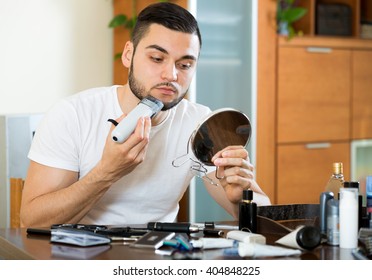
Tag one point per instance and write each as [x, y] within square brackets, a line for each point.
[304, 170]
[362, 95]
[313, 94]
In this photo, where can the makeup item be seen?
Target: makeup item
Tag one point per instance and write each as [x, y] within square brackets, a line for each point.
[369, 194]
[355, 185]
[336, 181]
[348, 218]
[333, 222]
[212, 225]
[248, 212]
[212, 243]
[212, 232]
[148, 107]
[153, 239]
[39, 231]
[324, 198]
[303, 237]
[173, 227]
[256, 250]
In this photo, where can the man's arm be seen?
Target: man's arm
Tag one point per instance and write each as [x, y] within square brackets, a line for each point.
[53, 195]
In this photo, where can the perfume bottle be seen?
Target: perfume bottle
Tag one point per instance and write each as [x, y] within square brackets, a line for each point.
[248, 212]
[337, 180]
[333, 222]
[324, 198]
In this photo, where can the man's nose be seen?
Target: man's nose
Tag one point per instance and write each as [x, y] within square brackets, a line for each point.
[170, 72]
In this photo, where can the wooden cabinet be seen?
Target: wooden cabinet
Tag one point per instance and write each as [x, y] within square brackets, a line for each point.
[313, 94]
[304, 169]
[362, 94]
[314, 98]
[323, 102]
[313, 113]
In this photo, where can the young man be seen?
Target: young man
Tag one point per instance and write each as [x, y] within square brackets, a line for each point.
[78, 174]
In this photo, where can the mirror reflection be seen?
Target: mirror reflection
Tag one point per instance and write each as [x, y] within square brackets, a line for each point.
[222, 128]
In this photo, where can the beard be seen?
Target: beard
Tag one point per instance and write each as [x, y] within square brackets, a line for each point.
[140, 92]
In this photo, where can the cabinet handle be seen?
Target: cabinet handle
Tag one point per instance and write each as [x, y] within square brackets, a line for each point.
[318, 50]
[324, 145]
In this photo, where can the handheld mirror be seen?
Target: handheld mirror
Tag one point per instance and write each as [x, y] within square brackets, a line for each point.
[220, 129]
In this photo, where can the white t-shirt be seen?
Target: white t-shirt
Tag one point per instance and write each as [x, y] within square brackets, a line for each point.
[72, 137]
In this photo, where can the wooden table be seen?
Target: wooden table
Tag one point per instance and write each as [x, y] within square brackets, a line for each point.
[16, 244]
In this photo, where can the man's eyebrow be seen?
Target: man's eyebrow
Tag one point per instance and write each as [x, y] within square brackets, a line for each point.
[191, 57]
[157, 47]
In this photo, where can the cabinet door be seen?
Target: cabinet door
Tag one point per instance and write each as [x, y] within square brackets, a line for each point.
[304, 170]
[362, 95]
[313, 94]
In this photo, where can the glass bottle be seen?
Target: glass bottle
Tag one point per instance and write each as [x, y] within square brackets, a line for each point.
[337, 179]
[248, 212]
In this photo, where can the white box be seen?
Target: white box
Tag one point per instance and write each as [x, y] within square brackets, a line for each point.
[246, 237]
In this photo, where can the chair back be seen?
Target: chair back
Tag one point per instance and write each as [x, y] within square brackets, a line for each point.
[16, 188]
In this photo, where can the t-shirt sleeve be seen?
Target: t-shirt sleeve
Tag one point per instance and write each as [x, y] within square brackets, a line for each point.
[56, 140]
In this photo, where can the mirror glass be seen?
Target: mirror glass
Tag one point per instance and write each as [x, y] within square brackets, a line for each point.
[222, 128]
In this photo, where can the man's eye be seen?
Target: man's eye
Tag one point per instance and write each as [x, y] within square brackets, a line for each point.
[156, 59]
[184, 66]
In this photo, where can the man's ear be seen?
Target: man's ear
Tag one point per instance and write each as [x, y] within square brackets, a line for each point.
[126, 56]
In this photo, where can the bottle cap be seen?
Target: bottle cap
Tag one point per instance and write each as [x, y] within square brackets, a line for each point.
[337, 168]
[247, 194]
[354, 185]
[308, 237]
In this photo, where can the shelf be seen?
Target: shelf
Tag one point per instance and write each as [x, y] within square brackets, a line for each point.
[326, 41]
[360, 11]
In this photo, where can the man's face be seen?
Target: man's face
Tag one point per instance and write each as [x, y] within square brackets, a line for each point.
[163, 65]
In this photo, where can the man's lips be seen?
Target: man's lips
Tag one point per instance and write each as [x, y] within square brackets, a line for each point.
[167, 90]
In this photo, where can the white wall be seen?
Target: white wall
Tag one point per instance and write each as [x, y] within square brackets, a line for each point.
[50, 49]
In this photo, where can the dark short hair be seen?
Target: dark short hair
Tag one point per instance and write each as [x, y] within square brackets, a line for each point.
[168, 15]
